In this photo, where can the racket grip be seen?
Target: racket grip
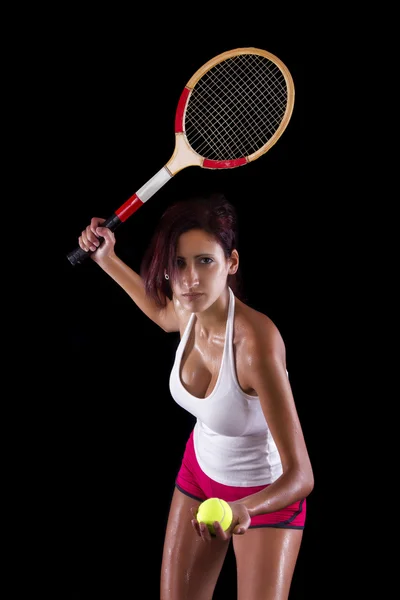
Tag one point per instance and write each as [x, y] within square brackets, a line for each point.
[78, 255]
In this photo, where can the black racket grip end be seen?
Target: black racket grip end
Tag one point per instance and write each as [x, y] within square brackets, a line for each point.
[78, 255]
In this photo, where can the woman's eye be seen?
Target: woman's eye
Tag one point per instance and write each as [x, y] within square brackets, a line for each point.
[206, 260]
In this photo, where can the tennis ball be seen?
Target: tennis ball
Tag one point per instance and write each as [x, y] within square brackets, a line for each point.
[215, 509]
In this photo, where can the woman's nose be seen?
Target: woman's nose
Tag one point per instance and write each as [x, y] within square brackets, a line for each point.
[190, 277]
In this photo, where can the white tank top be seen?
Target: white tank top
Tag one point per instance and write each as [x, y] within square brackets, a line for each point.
[232, 441]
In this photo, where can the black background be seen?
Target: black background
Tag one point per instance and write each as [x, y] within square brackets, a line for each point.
[116, 437]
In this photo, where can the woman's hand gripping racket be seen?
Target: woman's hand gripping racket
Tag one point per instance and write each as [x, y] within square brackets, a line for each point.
[233, 110]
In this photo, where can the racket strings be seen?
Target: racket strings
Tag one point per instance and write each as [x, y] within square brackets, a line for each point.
[236, 107]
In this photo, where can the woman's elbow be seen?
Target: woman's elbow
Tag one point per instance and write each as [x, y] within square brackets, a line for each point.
[307, 481]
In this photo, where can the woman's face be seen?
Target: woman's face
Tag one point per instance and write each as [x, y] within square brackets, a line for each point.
[202, 270]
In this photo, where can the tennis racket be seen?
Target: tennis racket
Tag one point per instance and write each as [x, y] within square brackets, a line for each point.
[231, 112]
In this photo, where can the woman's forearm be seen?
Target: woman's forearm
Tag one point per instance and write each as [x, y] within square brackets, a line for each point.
[290, 487]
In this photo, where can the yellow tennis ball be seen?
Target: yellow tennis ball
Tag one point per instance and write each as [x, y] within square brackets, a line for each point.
[215, 509]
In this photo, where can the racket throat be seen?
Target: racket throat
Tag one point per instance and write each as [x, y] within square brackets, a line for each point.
[183, 156]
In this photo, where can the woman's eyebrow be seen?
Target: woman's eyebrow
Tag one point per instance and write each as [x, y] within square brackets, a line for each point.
[198, 255]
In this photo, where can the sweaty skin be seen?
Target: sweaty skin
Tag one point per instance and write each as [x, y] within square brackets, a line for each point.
[192, 559]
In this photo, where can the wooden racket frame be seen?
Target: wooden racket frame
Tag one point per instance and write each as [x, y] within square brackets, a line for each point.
[184, 155]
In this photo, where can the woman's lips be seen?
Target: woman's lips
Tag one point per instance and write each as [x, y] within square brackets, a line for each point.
[192, 296]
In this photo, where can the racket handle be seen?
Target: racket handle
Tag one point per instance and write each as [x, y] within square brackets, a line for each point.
[78, 255]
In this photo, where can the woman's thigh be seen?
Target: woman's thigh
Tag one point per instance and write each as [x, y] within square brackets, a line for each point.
[190, 566]
[266, 558]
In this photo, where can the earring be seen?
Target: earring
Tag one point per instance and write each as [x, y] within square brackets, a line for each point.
[166, 276]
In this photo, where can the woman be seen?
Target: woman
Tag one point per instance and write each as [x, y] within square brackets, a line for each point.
[247, 445]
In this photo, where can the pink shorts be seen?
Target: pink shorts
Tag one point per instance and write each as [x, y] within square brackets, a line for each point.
[193, 482]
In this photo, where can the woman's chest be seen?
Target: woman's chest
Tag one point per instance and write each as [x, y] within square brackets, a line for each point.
[201, 366]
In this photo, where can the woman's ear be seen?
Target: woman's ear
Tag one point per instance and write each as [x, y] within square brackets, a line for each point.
[234, 262]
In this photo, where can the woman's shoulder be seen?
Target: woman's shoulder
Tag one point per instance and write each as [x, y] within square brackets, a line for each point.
[255, 327]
